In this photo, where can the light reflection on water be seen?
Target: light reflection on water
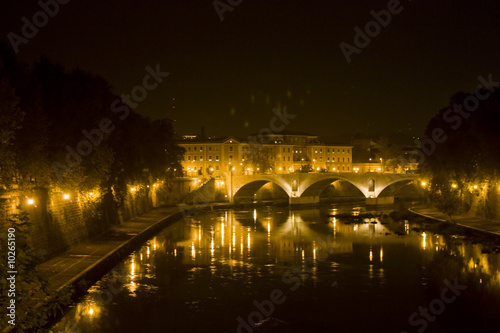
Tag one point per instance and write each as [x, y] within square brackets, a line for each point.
[210, 269]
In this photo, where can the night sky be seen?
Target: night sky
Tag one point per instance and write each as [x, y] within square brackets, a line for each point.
[228, 75]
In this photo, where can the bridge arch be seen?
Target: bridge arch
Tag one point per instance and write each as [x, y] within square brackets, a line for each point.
[400, 183]
[314, 189]
[248, 189]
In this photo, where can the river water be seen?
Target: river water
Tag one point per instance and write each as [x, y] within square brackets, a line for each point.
[296, 271]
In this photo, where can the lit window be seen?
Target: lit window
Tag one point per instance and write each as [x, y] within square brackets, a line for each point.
[201, 148]
[315, 151]
[210, 158]
[321, 151]
[217, 168]
[230, 157]
[194, 158]
[216, 157]
[201, 158]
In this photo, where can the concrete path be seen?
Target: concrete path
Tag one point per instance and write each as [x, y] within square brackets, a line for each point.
[84, 263]
[492, 227]
[66, 267]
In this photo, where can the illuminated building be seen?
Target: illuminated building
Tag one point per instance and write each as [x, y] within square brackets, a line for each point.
[285, 153]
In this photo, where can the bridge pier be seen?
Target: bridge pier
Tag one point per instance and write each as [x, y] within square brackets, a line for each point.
[304, 200]
[380, 201]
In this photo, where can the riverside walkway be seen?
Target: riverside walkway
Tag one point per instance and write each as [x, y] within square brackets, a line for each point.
[84, 263]
[475, 223]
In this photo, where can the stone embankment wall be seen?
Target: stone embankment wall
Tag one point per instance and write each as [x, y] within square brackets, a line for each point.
[61, 220]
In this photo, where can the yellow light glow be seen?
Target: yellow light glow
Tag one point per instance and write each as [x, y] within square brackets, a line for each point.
[31, 201]
[280, 169]
[132, 189]
[424, 240]
[222, 182]
[234, 168]
[454, 185]
[91, 193]
[475, 187]
[423, 183]
[66, 196]
[91, 311]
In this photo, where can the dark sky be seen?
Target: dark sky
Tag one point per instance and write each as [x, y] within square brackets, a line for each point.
[228, 75]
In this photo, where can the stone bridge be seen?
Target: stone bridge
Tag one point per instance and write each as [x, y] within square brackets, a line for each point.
[305, 188]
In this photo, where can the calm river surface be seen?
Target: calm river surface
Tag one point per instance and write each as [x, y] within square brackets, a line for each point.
[296, 271]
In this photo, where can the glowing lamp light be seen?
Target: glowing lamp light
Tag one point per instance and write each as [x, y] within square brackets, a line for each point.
[211, 169]
[475, 187]
[222, 182]
[31, 201]
[454, 185]
[66, 196]
[132, 189]
[423, 183]
[91, 193]
[234, 168]
[317, 169]
[91, 311]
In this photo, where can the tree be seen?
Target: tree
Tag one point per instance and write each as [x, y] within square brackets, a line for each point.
[306, 168]
[258, 157]
[465, 164]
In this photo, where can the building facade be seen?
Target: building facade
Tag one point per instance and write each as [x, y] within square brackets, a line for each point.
[270, 153]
